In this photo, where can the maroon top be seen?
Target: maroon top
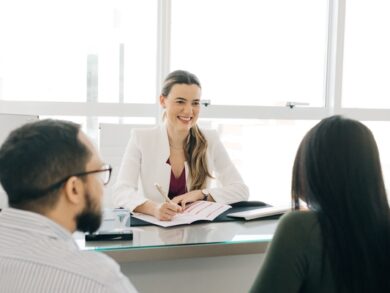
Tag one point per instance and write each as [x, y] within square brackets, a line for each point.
[177, 186]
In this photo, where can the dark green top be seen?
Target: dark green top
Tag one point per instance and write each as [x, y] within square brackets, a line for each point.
[293, 262]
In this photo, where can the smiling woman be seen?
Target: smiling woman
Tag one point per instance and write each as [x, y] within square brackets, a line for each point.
[180, 98]
[183, 103]
[179, 156]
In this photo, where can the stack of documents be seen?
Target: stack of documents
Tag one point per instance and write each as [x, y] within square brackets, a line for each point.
[260, 213]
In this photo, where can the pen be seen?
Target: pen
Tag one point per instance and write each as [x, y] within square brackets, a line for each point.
[159, 188]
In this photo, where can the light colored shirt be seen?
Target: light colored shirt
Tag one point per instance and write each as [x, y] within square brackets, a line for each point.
[38, 255]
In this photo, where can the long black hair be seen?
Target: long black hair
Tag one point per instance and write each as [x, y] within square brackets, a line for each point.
[337, 171]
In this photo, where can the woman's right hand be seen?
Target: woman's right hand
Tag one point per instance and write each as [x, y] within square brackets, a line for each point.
[166, 211]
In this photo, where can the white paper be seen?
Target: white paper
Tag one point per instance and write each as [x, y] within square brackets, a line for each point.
[199, 210]
[260, 213]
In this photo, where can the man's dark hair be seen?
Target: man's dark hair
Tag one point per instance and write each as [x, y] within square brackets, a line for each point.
[37, 155]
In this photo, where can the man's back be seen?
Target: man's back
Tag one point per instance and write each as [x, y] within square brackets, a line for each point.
[38, 255]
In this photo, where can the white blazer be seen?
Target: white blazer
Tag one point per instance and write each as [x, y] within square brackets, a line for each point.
[144, 163]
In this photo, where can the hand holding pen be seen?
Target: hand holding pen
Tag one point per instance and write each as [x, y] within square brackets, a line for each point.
[161, 191]
[167, 210]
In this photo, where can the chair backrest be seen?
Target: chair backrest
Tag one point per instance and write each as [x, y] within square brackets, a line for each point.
[9, 122]
[113, 139]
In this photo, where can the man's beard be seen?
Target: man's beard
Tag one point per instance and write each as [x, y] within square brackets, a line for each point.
[90, 218]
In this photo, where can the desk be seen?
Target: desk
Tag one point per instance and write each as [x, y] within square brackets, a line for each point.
[215, 257]
[199, 240]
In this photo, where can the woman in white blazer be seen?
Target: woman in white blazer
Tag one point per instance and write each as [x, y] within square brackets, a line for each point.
[178, 156]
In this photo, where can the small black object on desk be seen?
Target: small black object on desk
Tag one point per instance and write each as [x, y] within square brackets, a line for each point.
[110, 236]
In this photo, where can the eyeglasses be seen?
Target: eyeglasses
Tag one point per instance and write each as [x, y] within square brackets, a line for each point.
[104, 172]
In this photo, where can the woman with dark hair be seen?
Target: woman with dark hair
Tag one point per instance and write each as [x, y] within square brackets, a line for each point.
[179, 156]
[342, 243]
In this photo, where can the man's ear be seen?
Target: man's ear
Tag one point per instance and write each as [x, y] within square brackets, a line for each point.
[74, 190]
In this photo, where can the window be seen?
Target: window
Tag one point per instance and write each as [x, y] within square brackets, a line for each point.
[381, 134]
[78, 51]
[91, 124]
[264, 152]
[366, 55]
[94, 61]
[253, 52]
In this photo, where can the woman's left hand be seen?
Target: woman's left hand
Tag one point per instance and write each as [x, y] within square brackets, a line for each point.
[188, 197]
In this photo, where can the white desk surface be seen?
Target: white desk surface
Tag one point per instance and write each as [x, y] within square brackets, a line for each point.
[196, 240]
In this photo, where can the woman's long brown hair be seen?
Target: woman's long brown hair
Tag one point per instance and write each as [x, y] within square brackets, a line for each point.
[195, 145]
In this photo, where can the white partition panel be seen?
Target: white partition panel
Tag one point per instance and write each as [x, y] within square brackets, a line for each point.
[113, 139]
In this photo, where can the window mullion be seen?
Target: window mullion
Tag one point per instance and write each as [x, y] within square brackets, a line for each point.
[334, 69]
[163, 48]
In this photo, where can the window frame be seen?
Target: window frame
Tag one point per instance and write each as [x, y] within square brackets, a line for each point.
[332, 88]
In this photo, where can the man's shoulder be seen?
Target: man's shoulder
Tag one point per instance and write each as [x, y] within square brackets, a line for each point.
[85, 269]
[96, 263]
[103, 270]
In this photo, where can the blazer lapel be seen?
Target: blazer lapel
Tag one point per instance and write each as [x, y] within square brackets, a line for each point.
[163, 146]
[187, 172]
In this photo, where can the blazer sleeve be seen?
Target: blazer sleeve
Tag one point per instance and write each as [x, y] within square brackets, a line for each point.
[231, 186]
[126, 193]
